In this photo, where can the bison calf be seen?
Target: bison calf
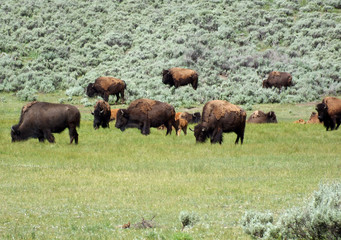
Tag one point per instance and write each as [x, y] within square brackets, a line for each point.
[41, 119]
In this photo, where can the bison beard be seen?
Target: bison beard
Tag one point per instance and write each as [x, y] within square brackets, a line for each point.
[41, 119]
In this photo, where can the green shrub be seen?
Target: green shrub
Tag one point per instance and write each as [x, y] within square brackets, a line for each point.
[318, 219]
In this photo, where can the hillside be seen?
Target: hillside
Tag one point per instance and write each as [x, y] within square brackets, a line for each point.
[51, 45]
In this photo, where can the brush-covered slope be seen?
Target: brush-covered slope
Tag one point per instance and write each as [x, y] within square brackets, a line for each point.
[233, 45]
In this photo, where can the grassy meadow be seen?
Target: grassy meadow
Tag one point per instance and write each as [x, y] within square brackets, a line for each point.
[89, 190]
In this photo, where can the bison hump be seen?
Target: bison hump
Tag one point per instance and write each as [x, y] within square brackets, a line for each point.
[27, 106]
[333, 104]
[103, 105]
[143, 104]
[220, 108]
[181, 73]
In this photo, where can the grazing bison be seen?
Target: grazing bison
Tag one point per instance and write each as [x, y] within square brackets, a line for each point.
[278, 80]
[41, 119]
[220, 116]
[261, 117]
[105, 86]
[146, 113]
[329, 112]
[101, 114]
[179, 77]
[113, 114]
[313, 118]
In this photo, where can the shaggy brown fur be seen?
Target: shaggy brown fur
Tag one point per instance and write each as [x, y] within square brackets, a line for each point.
[219, 109]
[113, 114]
[105, 86]
[182, 125]
[182, 73]
[278, 80]
[334, 105]
[261, 117]
[103, 105]
[142, 104]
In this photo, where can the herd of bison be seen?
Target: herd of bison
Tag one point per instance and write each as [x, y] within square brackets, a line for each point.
[41, 119]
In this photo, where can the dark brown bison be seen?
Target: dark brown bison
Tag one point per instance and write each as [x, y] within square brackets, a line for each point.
[179, 77]
[313, 118]
[220, 117]
[146, 113]
[329, 112]
[278, 80]
[105, 86]
[261, 117]
[101, 114]
[41, 119]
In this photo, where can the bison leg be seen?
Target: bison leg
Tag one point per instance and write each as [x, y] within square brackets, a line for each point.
[122, 97]
[73, 135]
[240, 135]
[217, 136]
[49, 136]
[41, 139]
[105, 96]
[117, 97]
[146, 128]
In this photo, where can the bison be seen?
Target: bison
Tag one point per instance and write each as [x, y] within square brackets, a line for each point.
[329, 112]
[113, 114]
[278, 80]
[41, 119]
[179, 77]
[220, 117]
[146, 113]
[300, 121]
[105, 86]
[313, 118]
[181, 123]
[190, 117]
[101, 114]
[261, 117]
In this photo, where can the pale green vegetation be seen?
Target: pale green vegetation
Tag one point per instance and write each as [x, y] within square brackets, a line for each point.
[57, 45]
[86, 191]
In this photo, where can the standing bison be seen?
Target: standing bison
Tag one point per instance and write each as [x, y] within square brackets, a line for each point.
[179, 77]
[261, 117]
[41, 119]
[146, 113]
[102, 114]
[278, 80]
[329, 112]
[220, 117]
[105, 86]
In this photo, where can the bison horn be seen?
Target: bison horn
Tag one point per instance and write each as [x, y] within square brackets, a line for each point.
[102, 111]
[12, 129]
[92, 112]
[191, 129]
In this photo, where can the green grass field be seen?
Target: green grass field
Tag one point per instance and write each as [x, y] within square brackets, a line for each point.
[86, 191]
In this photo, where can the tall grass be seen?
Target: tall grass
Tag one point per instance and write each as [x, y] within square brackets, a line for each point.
[86, 191]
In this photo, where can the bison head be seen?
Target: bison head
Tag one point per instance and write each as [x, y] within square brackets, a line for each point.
[322, 110]
[15, 133]
[101, 118]
[122, 118]
[90, 90]
[167, 77]
[200, 133]
[271, 117]
[266, 84]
